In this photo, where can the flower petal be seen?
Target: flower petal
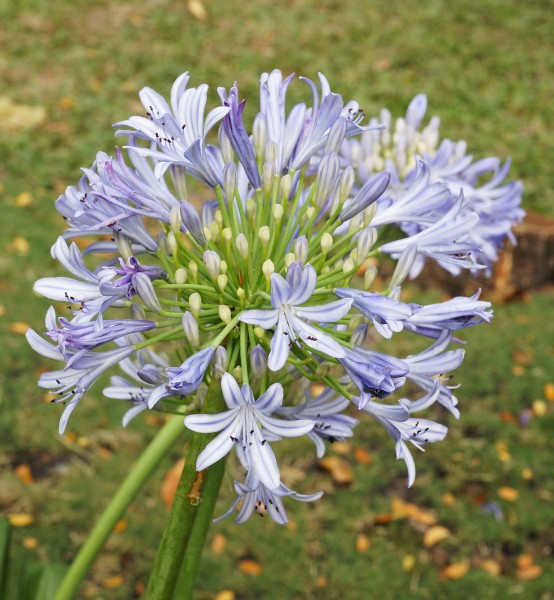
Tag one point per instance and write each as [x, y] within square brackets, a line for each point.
[271, 400]
[265, 319]
[315, 338]
[219, 446]
[279, 348]
[203, 423]
[231, 391]
[327, 313]
[280, 290]
[306, 288]
[284, 428]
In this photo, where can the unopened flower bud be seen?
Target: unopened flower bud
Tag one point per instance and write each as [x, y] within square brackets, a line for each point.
[258, 360]
[151, 374]
[137, 312]
[359, 335]
[268, 268]
[322, 370]
[218, 217]
[229, 181]
[278, 211]
[222, 282]
[237, 373]
[181, 275]
[346, 182]
[290, 258]
[326, 176]
[301, 248]
[326, 242]
[264, 234]
[195, 303]
[227, 234]
[224, 313]
[369, 213]
[395, 293]
[214, 231]
[285, 186]
[250, 208]
[163, 246]
[221, 360]
[241, 244]
[172, 243]
[225, 146]
[207, 234]
[271, 151]
[349, 265]
[212, 262]
[241, 294]
[259, 134]
[192, 222]
[175, 220]
[190, 327]
[223, 267]
[123, 245]
[355, 224]
[366, 239]
[309, 212]
[372, 189]
[193, 268]
[369, 276]
[403, 266]
[145, 291]
[259, 333]
[336, 135]
[268, 174]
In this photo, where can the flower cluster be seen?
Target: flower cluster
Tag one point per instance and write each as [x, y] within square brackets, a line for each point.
[259, 292]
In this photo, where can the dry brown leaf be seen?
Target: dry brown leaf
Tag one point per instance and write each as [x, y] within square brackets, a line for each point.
[250, 567]
[24, 473]
[509, 494]
[171, 481]
[225, 595]
[197, 10]
[408, 510]
[338, 468]
[341, 448]
[524, 560]
[362, 456]
[113, 582]
[218, 543]
[20, 519]
[16, 117]
[455, 571]
[30, 543]
[19, 327]
[522, 357]
[321, 581]
[448, 499]
[362, 543]
[434, 535]
[492, 567]
[549, 392]
[530, 572]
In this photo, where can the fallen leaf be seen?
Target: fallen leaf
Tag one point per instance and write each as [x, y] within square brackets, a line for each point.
[549, 392]
[408, 510]
[362, 456]
[518, 371]
[121, 526]
[292, 526]
[338, 468]
[341, 448]
[23, 200]
[30, 543]
[225, 595]
[20, 246]
[2, 310]
[383, 519]
[20, 519]
[539, 408]
[19, 327]
[455, 571]
[527, 473]
[171, 481]
[408, 562]
[16, 117]
[362, 543]
[492, 567]
[197, 10]
[24, 473]
[522, 357]
[218, 543]
[502, 451]
[434, 535]
[113, 582]
[66, 103]
[448, 499]
[250, 567]
[530, 572]
[509, 494]
[321, 581]
[524, 560]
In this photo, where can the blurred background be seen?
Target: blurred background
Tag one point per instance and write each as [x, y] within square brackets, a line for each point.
[479, 520]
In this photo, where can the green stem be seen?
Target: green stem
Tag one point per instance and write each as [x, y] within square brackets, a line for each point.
[144, 467]
[184, 510]
[212, 483]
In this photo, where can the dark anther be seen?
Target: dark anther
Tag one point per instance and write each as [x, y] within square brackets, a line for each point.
[263, 442]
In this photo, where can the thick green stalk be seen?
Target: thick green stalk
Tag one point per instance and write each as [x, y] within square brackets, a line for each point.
[143, 469]
[184, 510]
[212, 483]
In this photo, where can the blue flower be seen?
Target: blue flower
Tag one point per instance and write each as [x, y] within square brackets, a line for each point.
[289, 316]
[187, 378]
[243, 425]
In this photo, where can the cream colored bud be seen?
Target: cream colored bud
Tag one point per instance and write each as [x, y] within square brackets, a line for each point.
[326, 242]
[289, 259]
[271, 151]
[369, 213]
[268, 175]
[322, 370]
[207, 234]
[224, 313]
[193, 268]
[354, 256]
[237, 373]
[264, 234]
[214, 231]
[259, 134]
[175, 220]
[355, 224]
[195, 303]
[222, 282]
[123, 246]
[250, 207]
[259, 333]
[325, 269]
[181, 275]
[212, 261]
[369, 276]
[309, 213]
[349, 265]
[301, 248]
[227, 234]
[268, 268]
[346, 182]
[285, 185]
[278, 211]
[225, 146]
[241, 294]
[190, 327]
[218, 217]
[241, 244]
[223, 267]
[172, 243]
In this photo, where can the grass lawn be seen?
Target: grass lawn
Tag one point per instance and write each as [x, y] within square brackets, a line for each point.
[68, 70]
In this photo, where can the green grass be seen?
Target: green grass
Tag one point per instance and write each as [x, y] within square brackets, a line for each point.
[486, 68]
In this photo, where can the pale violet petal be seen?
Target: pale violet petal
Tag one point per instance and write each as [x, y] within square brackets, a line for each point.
[317, 339]
[279, 348]
[271, 400]
[132, 413]
[280, 290]
[203, 423]
[264, 462]
[306, 288]
[219, 446]
[231, 392]
[266, 319]
[326, 313]
[40, 345]
[284, 428]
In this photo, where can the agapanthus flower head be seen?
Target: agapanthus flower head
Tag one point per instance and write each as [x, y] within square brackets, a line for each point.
[257, 294]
